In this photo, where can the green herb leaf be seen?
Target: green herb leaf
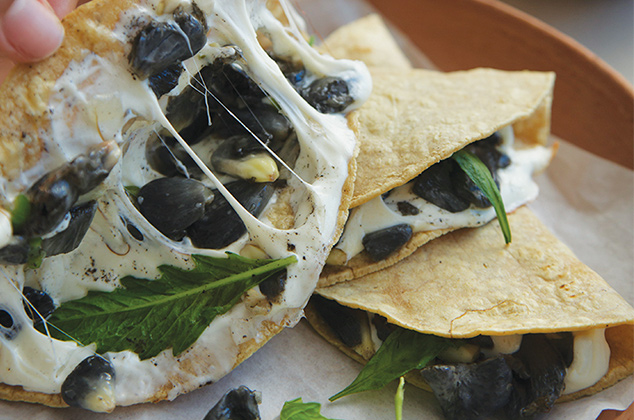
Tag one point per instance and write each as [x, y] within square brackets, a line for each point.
[398, 399]
[21, 211]
[298, 410]
[311, 40]
[402, 351]
[149, 316]
[481, 176]
[132, 190]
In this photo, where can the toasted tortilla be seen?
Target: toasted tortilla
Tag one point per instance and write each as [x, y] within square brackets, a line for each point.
[27, 118]
[415, 118]
[369, 40]
[26, 90]
[469, 283]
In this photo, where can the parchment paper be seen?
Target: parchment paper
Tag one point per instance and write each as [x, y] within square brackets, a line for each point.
[586, 201]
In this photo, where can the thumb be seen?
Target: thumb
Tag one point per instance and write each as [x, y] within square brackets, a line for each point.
[29, 31]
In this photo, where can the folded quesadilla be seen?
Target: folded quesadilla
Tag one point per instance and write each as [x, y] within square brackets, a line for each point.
[409, 189]
[508, 328]
[171, 182]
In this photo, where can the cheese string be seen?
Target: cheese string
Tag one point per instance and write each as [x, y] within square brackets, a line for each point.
[48, 334]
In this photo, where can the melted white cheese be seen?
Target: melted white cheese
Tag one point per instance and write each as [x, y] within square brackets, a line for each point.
[504, 344]
[516, 187]
[96, 98]
[590, 362]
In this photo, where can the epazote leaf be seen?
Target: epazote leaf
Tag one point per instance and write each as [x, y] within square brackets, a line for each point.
[149, 316]
[298, 410]
[481, 176]
[402, 351]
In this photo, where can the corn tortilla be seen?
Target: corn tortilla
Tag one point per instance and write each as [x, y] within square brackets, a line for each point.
[25, 95]
[366, 39]
[415, 118]
[468, 283]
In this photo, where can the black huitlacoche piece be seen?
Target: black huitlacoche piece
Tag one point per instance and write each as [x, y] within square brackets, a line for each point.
[160, 45]
[221, 225]
[447, 186]
[343, 321]
[39, 301]
[238, 404]
[382, 243]
[171, 205]
[67, 240]
[9, 327]
[94, 375]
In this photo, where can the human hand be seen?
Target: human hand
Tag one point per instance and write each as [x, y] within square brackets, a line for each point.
[30, 30]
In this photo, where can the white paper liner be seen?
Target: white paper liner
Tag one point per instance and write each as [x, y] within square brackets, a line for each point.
[586, 201]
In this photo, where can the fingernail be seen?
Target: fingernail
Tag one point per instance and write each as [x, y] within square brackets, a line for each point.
[32, 29]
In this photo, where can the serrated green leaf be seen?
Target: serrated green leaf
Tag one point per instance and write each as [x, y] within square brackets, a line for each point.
[402, 351]
[481, 176]
[298, 410]
[149, 316]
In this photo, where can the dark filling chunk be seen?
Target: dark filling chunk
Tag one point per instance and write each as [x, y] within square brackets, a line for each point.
[238, 404]
[221, 225]
[16, 252]
[328, 95]
[520, 385]
[538, 377]
[93, 376]
[9, 328]
[470, 391]
[447, 186]
[382, 243]
[407, 209]
[165, 80]
[383, 328]
[55, 193]
[167, 157]
[160, 45]
[173, 204]
[70, 238]
[273, 286]
[37, 300]
[435, 186]
[343, 321]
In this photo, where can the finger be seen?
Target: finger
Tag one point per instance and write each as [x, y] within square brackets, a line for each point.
[29, 31]
[62, 7]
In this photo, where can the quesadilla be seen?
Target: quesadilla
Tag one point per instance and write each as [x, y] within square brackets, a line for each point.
[523, 324]
[416, 120]
[159, 138]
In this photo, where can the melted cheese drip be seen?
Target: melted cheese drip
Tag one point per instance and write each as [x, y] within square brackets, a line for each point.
[516, 186]
[85, 109]
[590, 362]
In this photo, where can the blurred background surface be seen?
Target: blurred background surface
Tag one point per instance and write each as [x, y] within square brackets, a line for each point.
[606, 27]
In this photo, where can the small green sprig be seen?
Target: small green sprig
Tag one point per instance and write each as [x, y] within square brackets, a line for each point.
[298, 410]
[402, 351]
[481, 176]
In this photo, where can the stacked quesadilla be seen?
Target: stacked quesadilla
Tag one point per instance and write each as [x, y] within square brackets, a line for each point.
[491, 328]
